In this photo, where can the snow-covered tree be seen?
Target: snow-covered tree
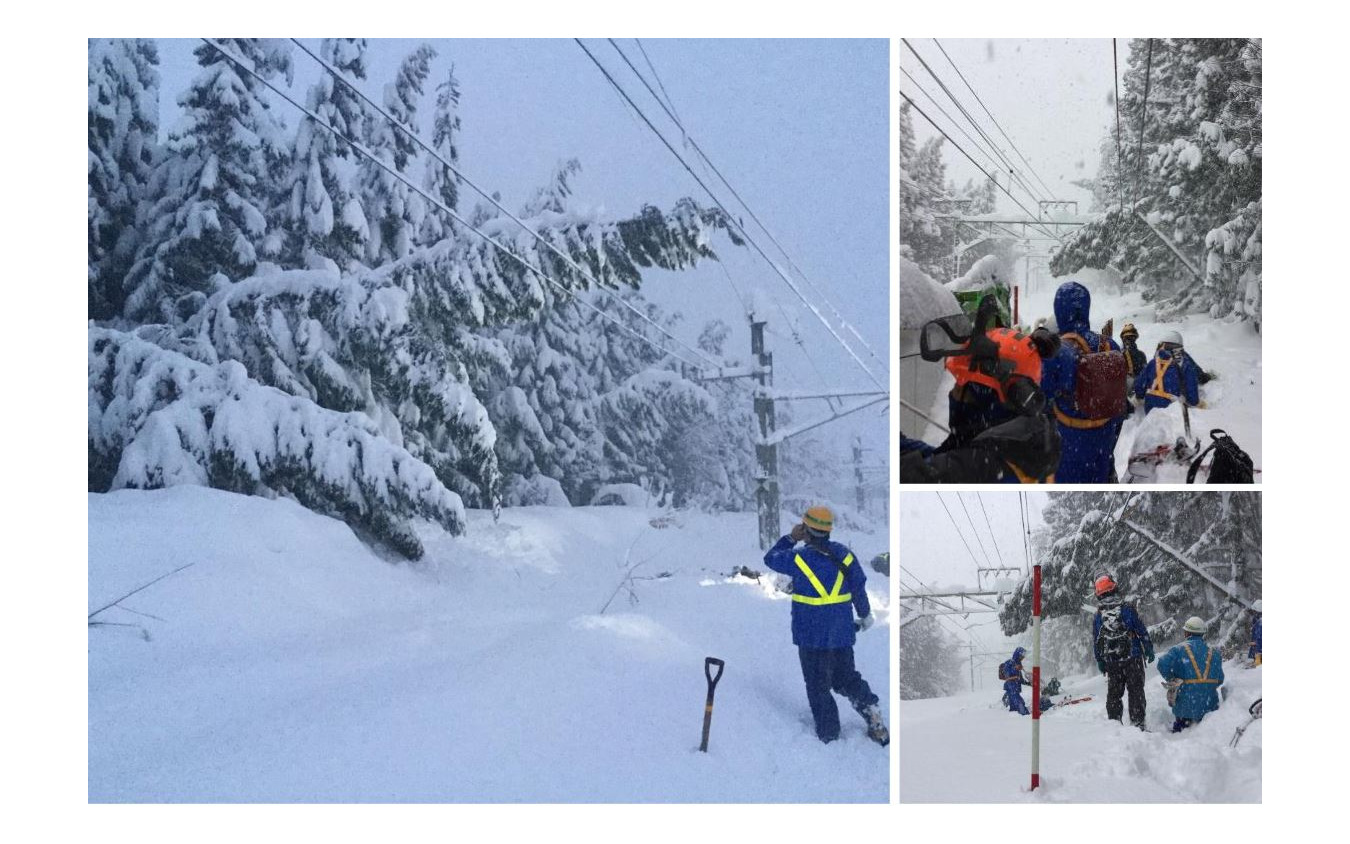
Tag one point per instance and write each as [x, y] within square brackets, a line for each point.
[123, 125]
[929, 239]
[158, 418]
[208, 219]
[466, 359]
[930, 660]
[1196, 177]
[1175, 554]
[729, 483]
[325, 220]
[439, 180]
[394, 210]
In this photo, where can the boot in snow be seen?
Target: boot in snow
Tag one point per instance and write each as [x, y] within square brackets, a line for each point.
[876, 726]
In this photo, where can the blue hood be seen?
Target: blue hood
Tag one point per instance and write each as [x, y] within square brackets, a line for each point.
[1072, 302]
[1018, 654]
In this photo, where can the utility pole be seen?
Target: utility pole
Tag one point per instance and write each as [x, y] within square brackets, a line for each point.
[766, 452]
[859, 491]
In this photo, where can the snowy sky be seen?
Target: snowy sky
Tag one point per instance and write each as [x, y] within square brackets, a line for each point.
[799, 127]
[1053, 97]
[931, 547]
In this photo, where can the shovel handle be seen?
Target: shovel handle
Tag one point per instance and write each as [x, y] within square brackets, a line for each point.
[712, 687]
[707, 672]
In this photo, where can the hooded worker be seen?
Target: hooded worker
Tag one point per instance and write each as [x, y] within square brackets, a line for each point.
[1254, 648]
[1083, 384]
[1171, 375]
[823, 628]
[1013, 677]
[1194, 671]
[1120, 644]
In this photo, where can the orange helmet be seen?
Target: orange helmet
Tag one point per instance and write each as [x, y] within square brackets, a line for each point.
[1103, 585]
[819, 518]
[1017, 355]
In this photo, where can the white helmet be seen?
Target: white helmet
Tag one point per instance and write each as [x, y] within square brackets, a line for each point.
[1173, 337]
[1256, 605]
[1195, 624]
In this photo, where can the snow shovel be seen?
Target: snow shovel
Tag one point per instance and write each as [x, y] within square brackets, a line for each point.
[1255, 711]
[712, 689]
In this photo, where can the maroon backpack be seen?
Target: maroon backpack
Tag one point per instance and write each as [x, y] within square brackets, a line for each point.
[1100, 378]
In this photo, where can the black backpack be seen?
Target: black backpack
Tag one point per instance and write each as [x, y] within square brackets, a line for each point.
[1231, 464]
[1114, 635]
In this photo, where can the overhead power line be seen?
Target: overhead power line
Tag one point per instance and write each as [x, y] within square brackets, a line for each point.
[955, 123]
[990, 528]
[1120, 171]
[962, 150]
[361, 148]
[731, 218]
[1143, 112]
[659, 83]
[987, 560]
[675, 118]
[999, 126]
[952, 519]
[1007, 162]
[430, 150]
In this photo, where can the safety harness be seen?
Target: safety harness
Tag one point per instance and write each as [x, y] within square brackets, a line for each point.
[1163, 364]
[823, 598]
[1200, 676]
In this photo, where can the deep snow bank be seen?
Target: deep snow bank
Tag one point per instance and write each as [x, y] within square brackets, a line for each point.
[968, 749]
[289, 663]
[1229, 350]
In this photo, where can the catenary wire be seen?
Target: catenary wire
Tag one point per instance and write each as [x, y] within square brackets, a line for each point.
[359, 147]
[337, 75]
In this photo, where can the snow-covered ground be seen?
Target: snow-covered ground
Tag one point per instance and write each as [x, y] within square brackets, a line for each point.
[1229, 350]
[290, 663]
[969, 749]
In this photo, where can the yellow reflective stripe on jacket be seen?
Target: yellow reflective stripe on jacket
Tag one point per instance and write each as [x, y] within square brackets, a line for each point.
[1200, 676]
[1157, 389]
[1074, 422]
[824, 598]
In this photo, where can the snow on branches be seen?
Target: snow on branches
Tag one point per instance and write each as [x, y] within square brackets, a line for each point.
[157, 418]
[1175, 554]
[1197, 182]
[283, 272]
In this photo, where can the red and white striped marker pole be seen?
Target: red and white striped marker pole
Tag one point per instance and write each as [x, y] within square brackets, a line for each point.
[1035, 677]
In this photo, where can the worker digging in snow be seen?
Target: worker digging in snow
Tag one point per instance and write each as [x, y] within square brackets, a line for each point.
[823, 628]
[1254, 648]
[1171, 375]
[1120, 644]
[1014, 678]
[1193, 671]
